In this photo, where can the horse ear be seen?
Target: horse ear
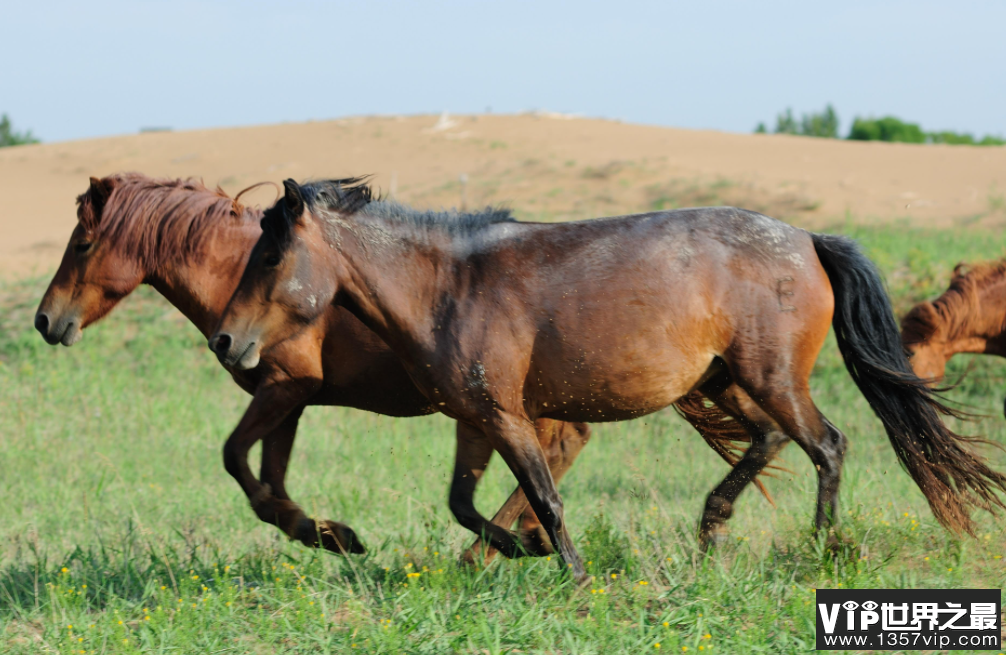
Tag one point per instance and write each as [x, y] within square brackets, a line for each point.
[100, 190]
[91, 203]
[293, 199]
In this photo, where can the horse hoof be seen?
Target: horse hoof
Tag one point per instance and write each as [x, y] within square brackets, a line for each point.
[536, 542]
[837, 544]
[713, 536]
[467, 559]
[339, 538]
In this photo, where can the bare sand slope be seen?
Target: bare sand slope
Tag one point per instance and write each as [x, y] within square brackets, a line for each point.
[543, 165]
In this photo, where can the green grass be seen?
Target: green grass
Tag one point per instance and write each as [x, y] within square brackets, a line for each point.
[119, 520]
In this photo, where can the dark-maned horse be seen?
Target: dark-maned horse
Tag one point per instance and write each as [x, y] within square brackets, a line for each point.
[970, 317]
[191, 243]
[502, 323]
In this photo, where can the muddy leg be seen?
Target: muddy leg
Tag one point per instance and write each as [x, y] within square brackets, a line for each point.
[821, 440]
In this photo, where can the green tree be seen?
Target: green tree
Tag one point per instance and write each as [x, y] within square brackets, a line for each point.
[786, 124]
[9, 137]
[952, 138]
[820, 124]
[963, 138]
[823, 124]
[887, 128]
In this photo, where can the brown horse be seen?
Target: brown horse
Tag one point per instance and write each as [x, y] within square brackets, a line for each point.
[191, 243]
[970, 317]
[502, 323]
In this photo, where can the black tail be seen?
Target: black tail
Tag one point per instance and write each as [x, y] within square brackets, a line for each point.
[953, 478]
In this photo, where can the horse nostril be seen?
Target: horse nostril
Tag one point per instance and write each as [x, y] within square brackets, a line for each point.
[220, 343]
[42, 323]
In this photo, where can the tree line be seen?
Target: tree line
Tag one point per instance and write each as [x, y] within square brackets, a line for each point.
[11, 137]
[824, 124]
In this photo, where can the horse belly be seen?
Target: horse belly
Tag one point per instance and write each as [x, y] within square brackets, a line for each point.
[617, 384]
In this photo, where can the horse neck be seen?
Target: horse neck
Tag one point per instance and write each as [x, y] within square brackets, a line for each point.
[201, 285]
[391, 285]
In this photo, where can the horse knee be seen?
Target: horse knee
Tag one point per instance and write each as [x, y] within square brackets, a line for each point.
[232, 459]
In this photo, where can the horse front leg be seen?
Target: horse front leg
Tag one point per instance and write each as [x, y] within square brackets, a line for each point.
[562, 442]
[473, 453]
[514, 438]
[272, 417]
[278, 508]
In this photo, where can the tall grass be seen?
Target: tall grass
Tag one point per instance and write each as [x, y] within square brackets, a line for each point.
[120, 532]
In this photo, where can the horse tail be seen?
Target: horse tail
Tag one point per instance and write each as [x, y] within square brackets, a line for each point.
[952, 477]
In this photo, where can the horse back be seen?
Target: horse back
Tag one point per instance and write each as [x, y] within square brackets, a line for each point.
[635, 309]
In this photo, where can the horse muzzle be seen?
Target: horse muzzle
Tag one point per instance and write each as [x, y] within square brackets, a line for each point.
[240, 354]
[65, 330]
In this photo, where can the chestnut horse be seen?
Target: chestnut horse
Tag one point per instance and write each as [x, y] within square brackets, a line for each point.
[501, 323]
[191, 243]
[970, 317]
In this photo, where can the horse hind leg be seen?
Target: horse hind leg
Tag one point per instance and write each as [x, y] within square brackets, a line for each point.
[767, 439]
[787, 401]
[722, 432]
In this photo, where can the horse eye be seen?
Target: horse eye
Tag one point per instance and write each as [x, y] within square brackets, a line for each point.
[271, 260]
[81, 247]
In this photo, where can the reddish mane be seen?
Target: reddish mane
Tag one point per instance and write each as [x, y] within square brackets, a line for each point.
[158, 221]
[958, 311]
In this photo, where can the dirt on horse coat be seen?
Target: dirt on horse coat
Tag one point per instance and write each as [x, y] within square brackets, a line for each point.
[191, 244]
[502, 323]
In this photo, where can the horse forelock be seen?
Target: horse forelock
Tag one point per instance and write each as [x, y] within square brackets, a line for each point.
[277, 225]
[158, 221]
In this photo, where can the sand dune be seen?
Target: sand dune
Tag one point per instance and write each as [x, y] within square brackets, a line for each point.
[545, 166]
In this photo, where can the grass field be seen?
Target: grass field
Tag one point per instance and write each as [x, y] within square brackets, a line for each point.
[120, 532]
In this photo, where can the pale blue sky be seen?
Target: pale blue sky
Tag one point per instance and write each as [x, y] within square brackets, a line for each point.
[77, 70]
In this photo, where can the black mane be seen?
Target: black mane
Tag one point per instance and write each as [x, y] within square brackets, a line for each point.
[352, 195]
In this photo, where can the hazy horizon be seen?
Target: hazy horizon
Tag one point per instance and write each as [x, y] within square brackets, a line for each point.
[79, 71]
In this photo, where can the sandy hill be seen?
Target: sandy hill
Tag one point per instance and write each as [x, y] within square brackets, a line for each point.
[545, 166]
